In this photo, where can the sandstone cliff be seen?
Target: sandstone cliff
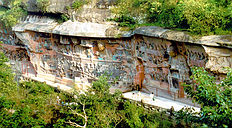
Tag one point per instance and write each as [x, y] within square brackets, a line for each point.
[80, 50]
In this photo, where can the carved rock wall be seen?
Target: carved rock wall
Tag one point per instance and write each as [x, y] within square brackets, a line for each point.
[150, 57]
[68, 59]
[219, 58]
[7, 36]
[71, 57]
[55, 6]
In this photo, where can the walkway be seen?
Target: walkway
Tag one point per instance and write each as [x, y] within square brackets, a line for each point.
[52, 84]
[158, 101]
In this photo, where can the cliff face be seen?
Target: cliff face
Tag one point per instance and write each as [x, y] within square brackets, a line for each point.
[82, 50]
[53, 6]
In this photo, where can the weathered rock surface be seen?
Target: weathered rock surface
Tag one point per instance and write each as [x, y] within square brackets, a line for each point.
[218, 59]
[55, 6]
[95, 11]
[36, 23]
[89, 14]
[154, 31]
[217, 40]
[92, 29]
[70, 28]
[105, 3]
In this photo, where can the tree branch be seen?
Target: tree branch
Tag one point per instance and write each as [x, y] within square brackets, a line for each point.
[78, 114]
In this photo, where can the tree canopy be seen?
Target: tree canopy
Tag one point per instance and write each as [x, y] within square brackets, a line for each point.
[215, 98]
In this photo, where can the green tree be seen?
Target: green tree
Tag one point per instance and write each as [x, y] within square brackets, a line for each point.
[12, 16]
[30, 104]
[215, 98]
[200, 17]
[104, 109]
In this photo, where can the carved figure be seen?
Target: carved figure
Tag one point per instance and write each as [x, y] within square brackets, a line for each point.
[139, 77]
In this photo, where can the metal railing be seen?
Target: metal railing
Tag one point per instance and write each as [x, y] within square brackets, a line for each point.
[172, 95]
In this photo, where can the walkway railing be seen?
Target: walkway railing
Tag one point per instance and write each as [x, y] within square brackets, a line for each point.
[172, 95]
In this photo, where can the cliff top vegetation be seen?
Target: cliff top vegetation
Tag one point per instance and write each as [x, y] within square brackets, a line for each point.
[201, 17]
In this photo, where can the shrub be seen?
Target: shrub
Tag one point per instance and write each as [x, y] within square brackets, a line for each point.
[12, 16]
[62, 18]
[201, 17]
[43, 5]
[125, 21]
[7, 84]
[215, 99]
[166, 14]
[79, 3]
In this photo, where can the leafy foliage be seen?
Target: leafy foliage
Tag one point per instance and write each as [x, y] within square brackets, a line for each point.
[43, 5]
[2, 10]
[104, 109]
[129, 13]
[32, 104]
[79, 3]
[202, 17]
[12, 15]
[215, 98]
[64, 18]
[187, 117]
[125, 21]
[6, 77]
